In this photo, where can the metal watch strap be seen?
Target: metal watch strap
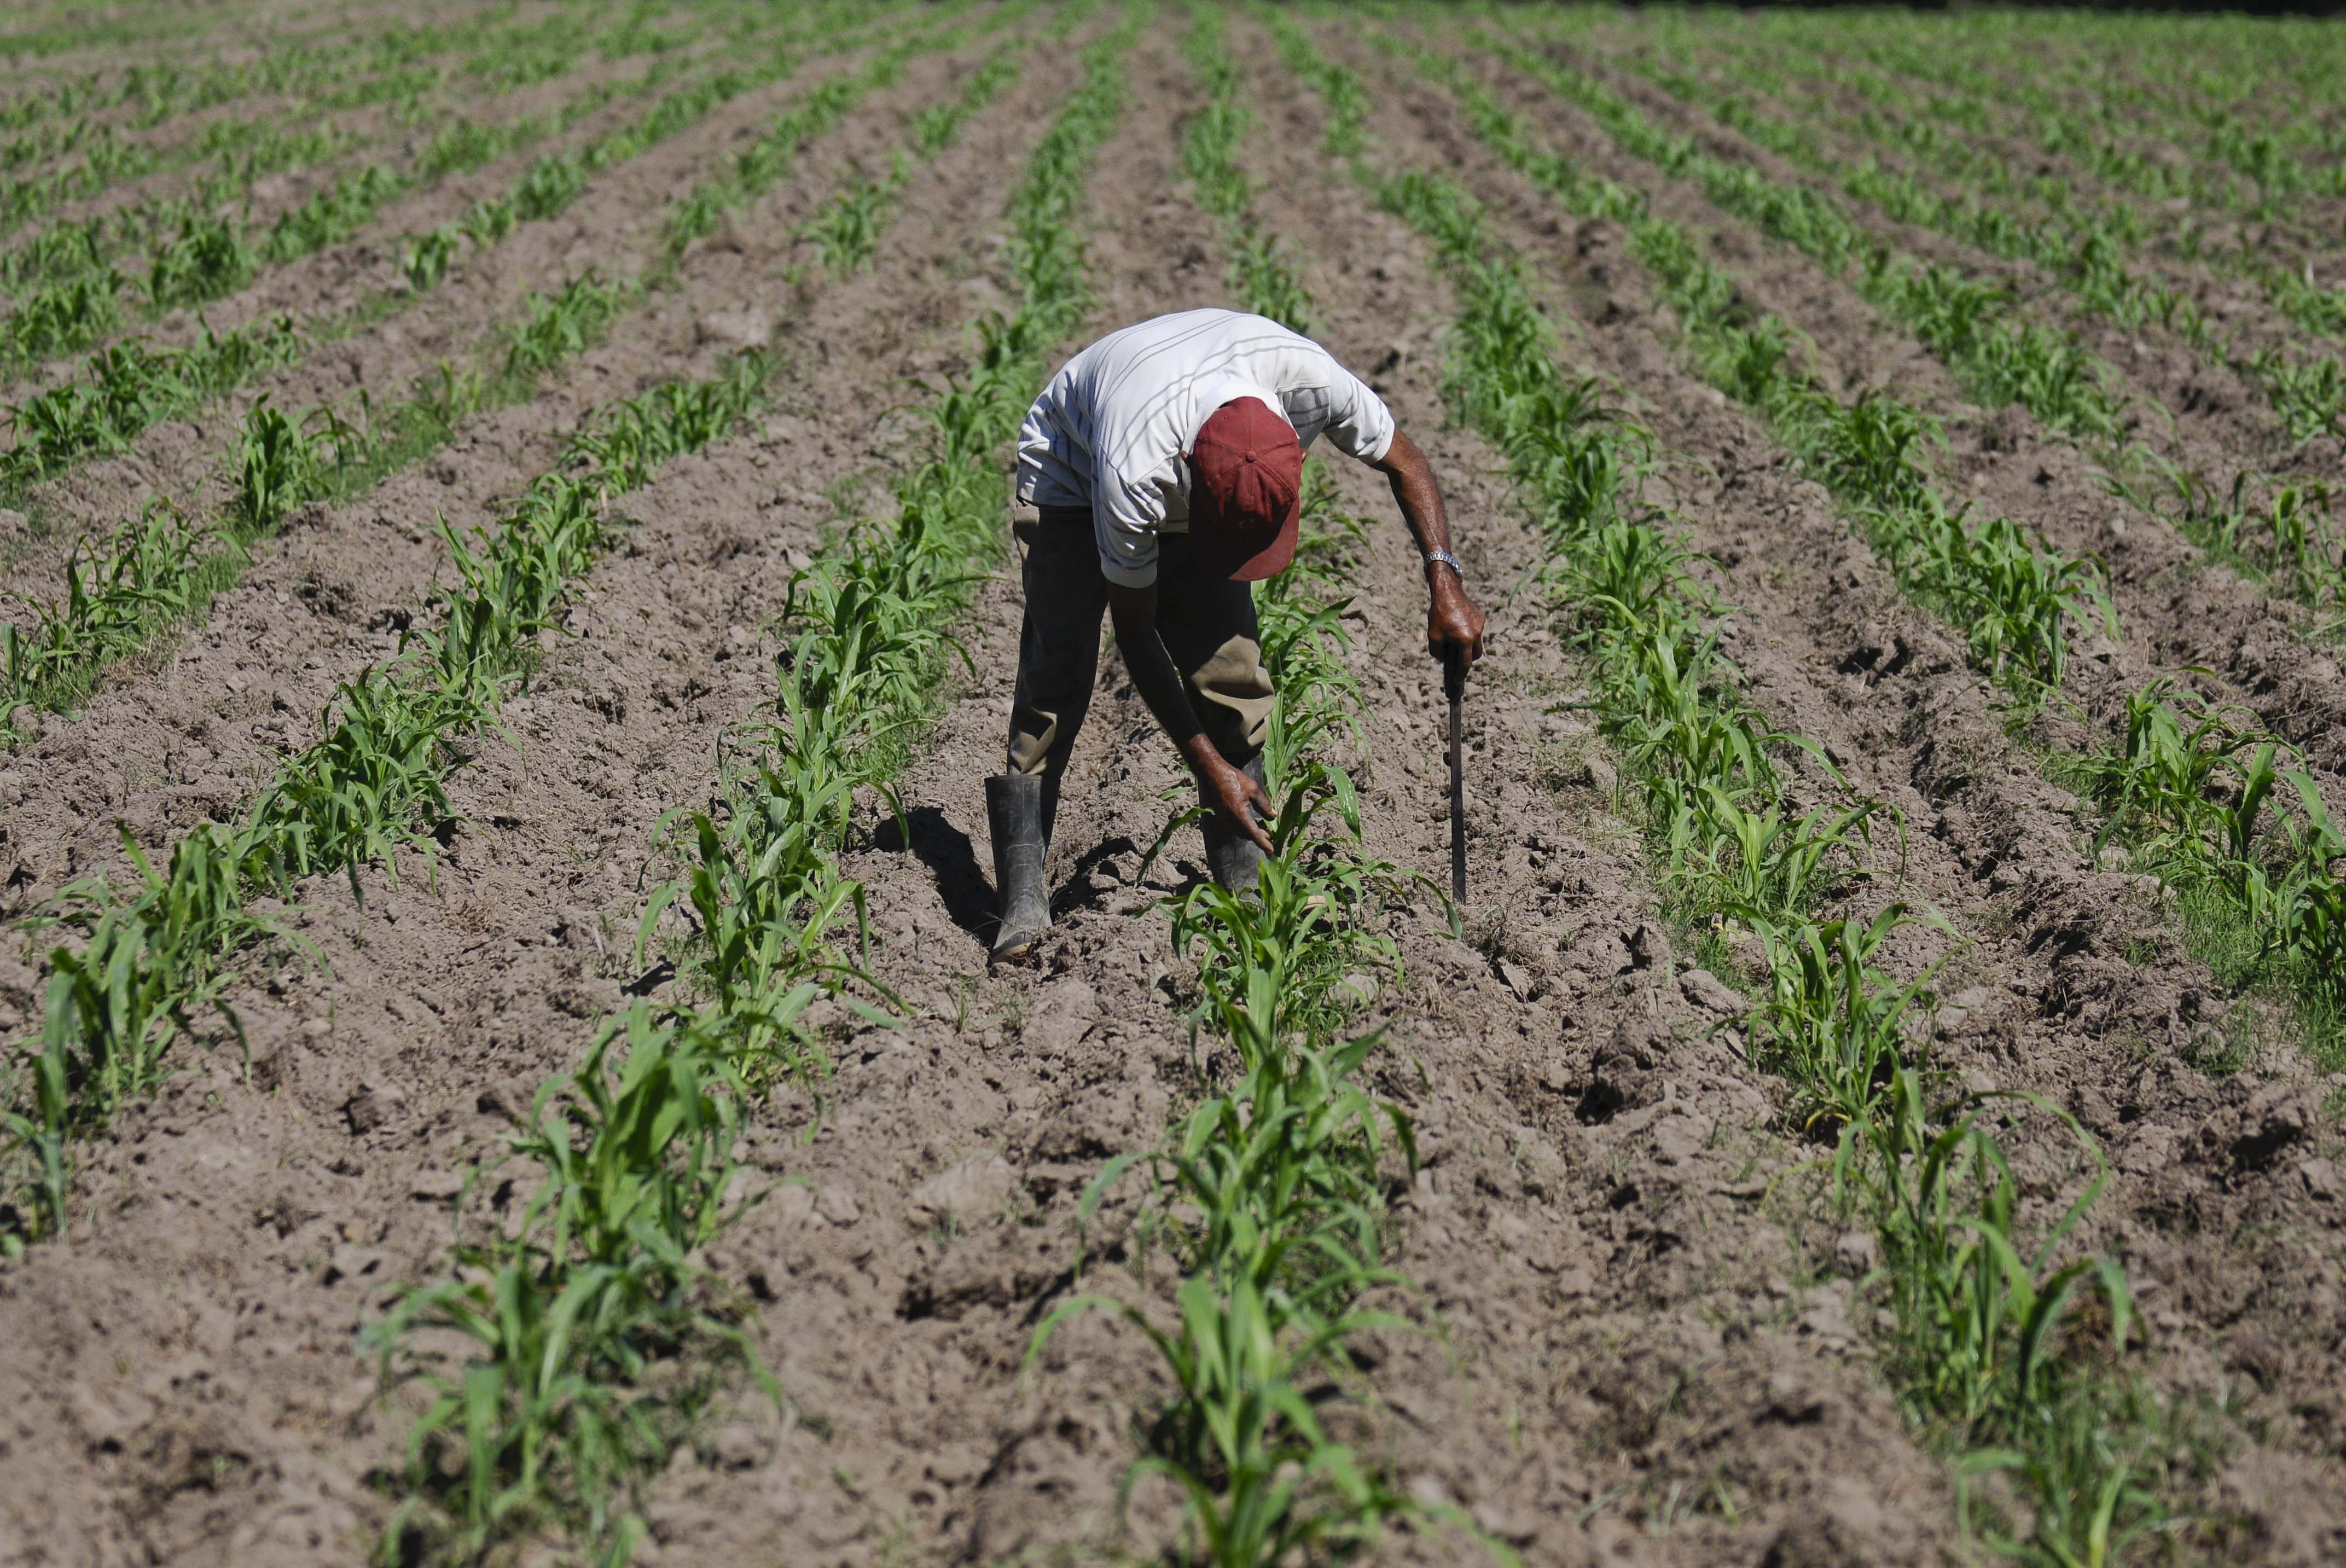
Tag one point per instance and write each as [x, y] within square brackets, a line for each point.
[1447, 559]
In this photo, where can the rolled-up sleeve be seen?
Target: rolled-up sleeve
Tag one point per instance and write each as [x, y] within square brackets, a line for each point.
[1359, 423]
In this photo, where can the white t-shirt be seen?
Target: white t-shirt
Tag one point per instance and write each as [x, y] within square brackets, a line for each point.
[1112, 430]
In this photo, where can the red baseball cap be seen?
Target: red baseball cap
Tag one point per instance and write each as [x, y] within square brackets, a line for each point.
[1246, 491]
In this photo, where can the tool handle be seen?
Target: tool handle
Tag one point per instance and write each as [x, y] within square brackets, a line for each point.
[1453, 686]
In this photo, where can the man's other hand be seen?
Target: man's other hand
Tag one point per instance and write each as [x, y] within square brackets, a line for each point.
[1234, 794]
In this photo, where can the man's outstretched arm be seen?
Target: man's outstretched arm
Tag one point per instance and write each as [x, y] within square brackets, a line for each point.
[1451, 621]
[1132, 611]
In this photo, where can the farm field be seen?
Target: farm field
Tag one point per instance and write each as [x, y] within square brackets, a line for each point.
[510, 606]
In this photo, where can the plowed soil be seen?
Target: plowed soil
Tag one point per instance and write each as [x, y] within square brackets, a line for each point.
[1654, 1344]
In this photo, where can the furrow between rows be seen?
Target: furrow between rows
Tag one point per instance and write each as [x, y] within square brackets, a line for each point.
[340, 449]
[445, 998]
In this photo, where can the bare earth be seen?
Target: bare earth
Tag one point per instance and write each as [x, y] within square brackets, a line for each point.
[1653, 1347]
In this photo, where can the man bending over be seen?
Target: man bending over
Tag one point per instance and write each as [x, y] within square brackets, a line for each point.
[1166, 463]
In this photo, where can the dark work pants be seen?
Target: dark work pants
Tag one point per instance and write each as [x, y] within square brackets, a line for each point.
[1207, 624]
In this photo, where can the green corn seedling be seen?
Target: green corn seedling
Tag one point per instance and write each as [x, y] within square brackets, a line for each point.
[2016, 597]
[324, 456]
[551, 1420]
[61, 319]
[846, 232]
[207, 258]
[374, 782]
[1269, 1191]
[540, 1429]
[563, 324]
[1968, 1294]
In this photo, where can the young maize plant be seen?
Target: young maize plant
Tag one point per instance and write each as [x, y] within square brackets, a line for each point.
[154, 958]
[2098, 221]
[154, 571]
[557, 1418]
[280, 463]
[208, 255]
[105, 158]
[246, 151]
[601, 1342]
[1269, 1193]
[2013, 597]
[1968, 326]
[2194, 792]
[1991, 1350]
[2310, 395]
[130, 387]
[2279, 532]
[938, 128]
[1259, 273]
[62, 319]
[124, 390]
[846, 233]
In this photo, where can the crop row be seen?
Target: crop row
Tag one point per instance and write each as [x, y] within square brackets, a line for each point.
[163, 84]
[1986, 1339]
[125, 390]
[2012, 595]
[131, 591]
[2072, 109]
[2281, 531]
[247, 150]
[392, 70]
[1267, 1193]
[2261, 907]
[379, 765]
[2095, 133]
[2261, 256]
[596, 1337]
[2221, 105]
[2085, 258]
[197, 254]
[1966, 324]
[156, 956]
[162, 29]
[2084, 244]
[328, 66]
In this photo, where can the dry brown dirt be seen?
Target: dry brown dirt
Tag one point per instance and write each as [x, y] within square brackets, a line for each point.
[1652, 1348]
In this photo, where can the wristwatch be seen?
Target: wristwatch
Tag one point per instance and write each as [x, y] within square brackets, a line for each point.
[1447, 559]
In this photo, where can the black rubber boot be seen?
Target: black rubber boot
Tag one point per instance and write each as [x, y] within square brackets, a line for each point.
[1015, 816]
[1234, 859]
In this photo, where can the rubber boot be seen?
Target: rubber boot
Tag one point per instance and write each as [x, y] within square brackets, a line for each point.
[1014, 815]
[1234, 859]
